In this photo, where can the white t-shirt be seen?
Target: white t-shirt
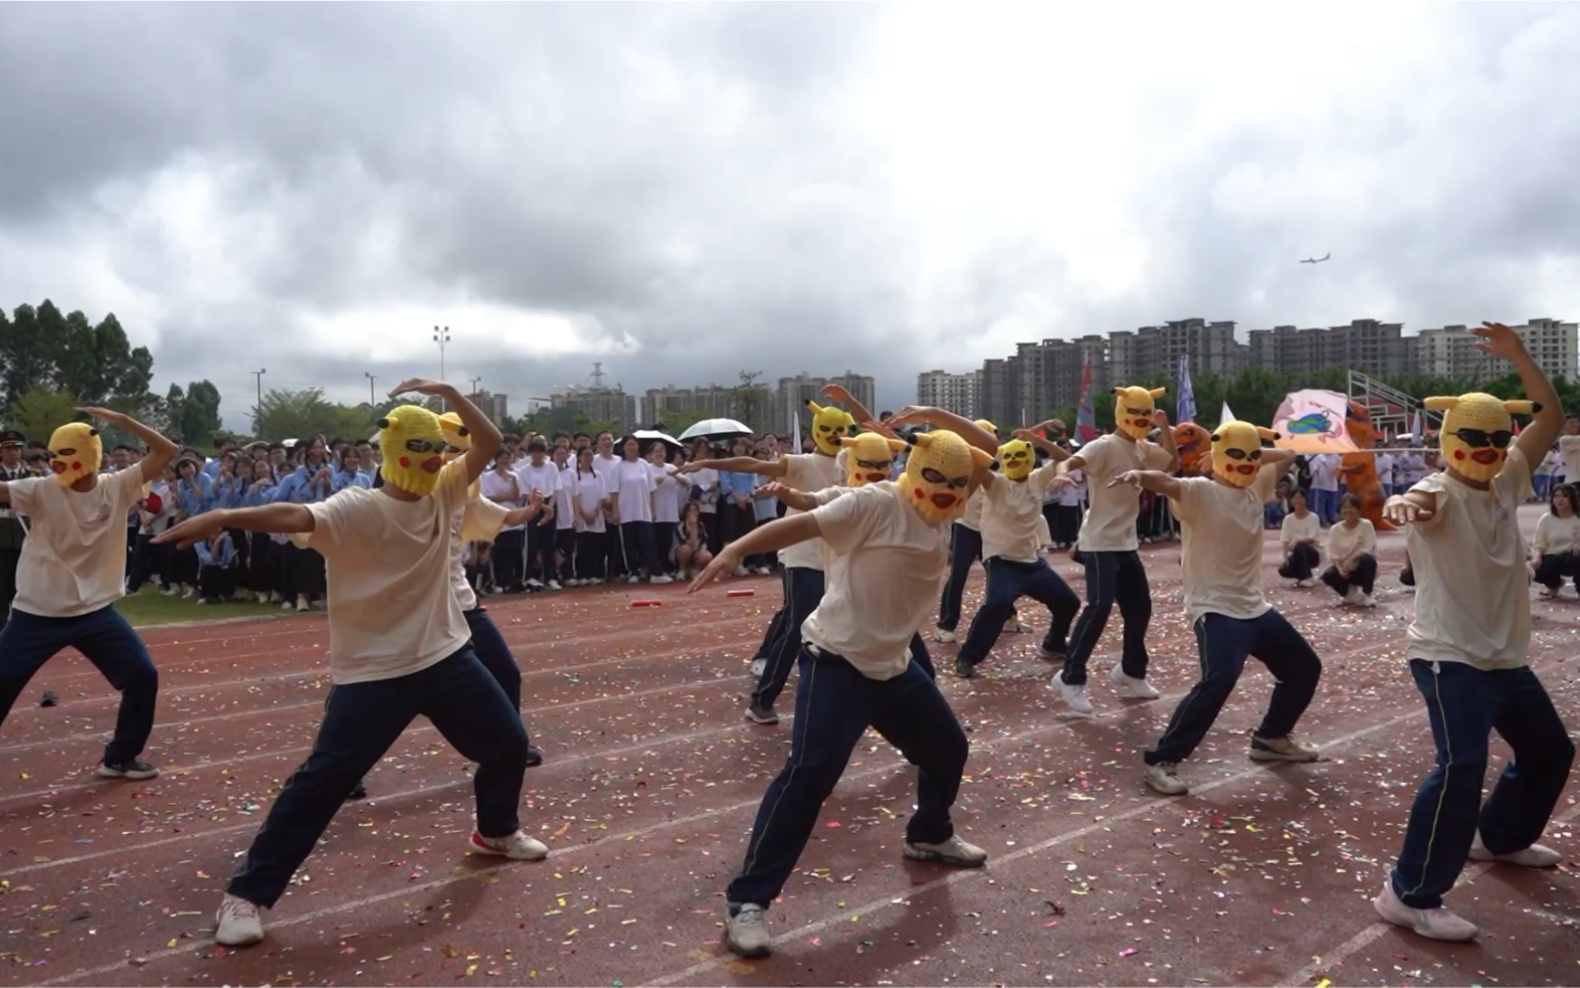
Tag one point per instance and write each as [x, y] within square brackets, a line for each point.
[1221, 537]
[543, 478]
[1013, 526]
[392, 608]
[1075, 493]
[565, 498]
[707, 480]
[73, 560]
[1344, 542]
[479, 521]
[1555, 535]
[1569, 449]
[632, 483]
[590, 492]
[669, 493]
[1324, 472]
[1384, 468]
[1472, 596]
[502, 488]
[972, 516]
[1110, 522]
[885, 567]
[1296, 529]
[810, 472]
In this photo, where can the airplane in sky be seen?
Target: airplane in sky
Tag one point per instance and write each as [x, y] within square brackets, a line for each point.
[1318, 260]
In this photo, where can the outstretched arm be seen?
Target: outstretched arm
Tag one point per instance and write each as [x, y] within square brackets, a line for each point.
[737, 464]
[963, 427]
[282, 518]
[772, 537]
[1150, 480]
[480, 429]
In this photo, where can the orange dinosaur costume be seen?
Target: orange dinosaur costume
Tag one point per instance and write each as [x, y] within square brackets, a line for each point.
[1360, 469]
[1195, 449]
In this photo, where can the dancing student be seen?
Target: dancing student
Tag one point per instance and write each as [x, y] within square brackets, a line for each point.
[802, 561]
[71, 572]
[965, 548]
[1469, 647]
[1109, 548]
[398, 649]
[1012, 534]
[1352, 550]
[887, 555]
[1300, 537]
[1556, 544]
[868, 459]
[1226, 606]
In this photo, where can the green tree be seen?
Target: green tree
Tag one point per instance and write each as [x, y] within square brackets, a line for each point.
[40, 411]
[288, 414]
[749, 401]
[193, 414]
[44, 348]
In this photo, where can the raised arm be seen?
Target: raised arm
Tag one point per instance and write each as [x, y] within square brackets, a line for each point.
[1548, 418]
[1166, 440]
[161, 451]
[1055, 453]
[480, 429]
[962, 427]
[839, 394]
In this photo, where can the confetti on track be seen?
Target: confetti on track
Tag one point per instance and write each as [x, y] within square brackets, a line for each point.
[1262, 876]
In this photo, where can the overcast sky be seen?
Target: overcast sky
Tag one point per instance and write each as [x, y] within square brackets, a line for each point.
[683, 192]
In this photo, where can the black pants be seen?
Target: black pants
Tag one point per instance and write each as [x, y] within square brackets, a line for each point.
[834, 706]
[1553, 567]
[1065, 524]
[307, 572]
[641, 556]
[664, 545]
[565, 549]
[539, 557]
[361, 722]
[592, 552]
[507, 559]
[965, 548]
[105, 639]
[1222, 645]
[803, 590]
[217, 582]
[263, 568]
[1364, 576]
[1007, 582]
[736, 520]
[142, 565]
[615, 562]
[1112, 577]
[8, 561]
[1301, 562]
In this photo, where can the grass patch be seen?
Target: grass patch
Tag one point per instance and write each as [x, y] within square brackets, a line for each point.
[150, 607]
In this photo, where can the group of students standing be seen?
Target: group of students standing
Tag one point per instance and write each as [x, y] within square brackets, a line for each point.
[865, 557]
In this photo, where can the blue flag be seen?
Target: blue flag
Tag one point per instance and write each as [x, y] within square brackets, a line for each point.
[1185, 398]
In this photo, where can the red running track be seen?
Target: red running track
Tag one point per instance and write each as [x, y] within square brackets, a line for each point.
[1260, 876]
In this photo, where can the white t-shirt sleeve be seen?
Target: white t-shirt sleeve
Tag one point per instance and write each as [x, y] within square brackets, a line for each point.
[24, 493]
[848, 522]
[332, 521]
[1095, 456]
[1187, 507]
[1154, 456]
[1043, 476]
[1514, 480]
[828, 494]
[126, 488]
[482, 520]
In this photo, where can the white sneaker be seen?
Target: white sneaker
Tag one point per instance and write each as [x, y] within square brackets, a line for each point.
[761, 571]
[535, 583]
[1284, 749]
[944, 637]
[1535, 856]
[1308, 582]
[1353, 597]
[1074, 696]
[1137, 687]
[740, 571]
[633, 579]
[237, 924]
[661, 579]
[518, 846]
[1164, 777]
[555, 585]
[1367, 600]
[1015, 626]
[1434, 924]
[953, 851]
[745, 932]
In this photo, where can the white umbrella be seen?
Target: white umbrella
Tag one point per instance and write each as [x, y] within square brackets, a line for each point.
[716, 429]
[645, 436]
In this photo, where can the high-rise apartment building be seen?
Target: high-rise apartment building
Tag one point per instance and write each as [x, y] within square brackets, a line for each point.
[1450, 351]
[955, 393]
[792, 394]
[1365, 345]
[599, 404]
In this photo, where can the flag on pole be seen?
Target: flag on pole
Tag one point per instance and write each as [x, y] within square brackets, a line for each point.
[1225, 415]
[1185, 398]
[795, 433]
[1085, 416]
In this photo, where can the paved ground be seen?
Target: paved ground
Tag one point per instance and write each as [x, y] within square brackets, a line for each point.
[1261, 876]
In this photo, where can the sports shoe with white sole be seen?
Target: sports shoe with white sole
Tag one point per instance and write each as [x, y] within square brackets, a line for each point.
[238, 923]
[1434, 924]
[1164, 777]
[1074, 696]
[944, 637]
[746, 929]
[517, 847]
[953, 851]
[1535, 856]
[1282, 750]
[1139, 688]
[136, 770]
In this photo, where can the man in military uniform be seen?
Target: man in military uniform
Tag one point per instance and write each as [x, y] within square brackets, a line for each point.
[12, 531]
